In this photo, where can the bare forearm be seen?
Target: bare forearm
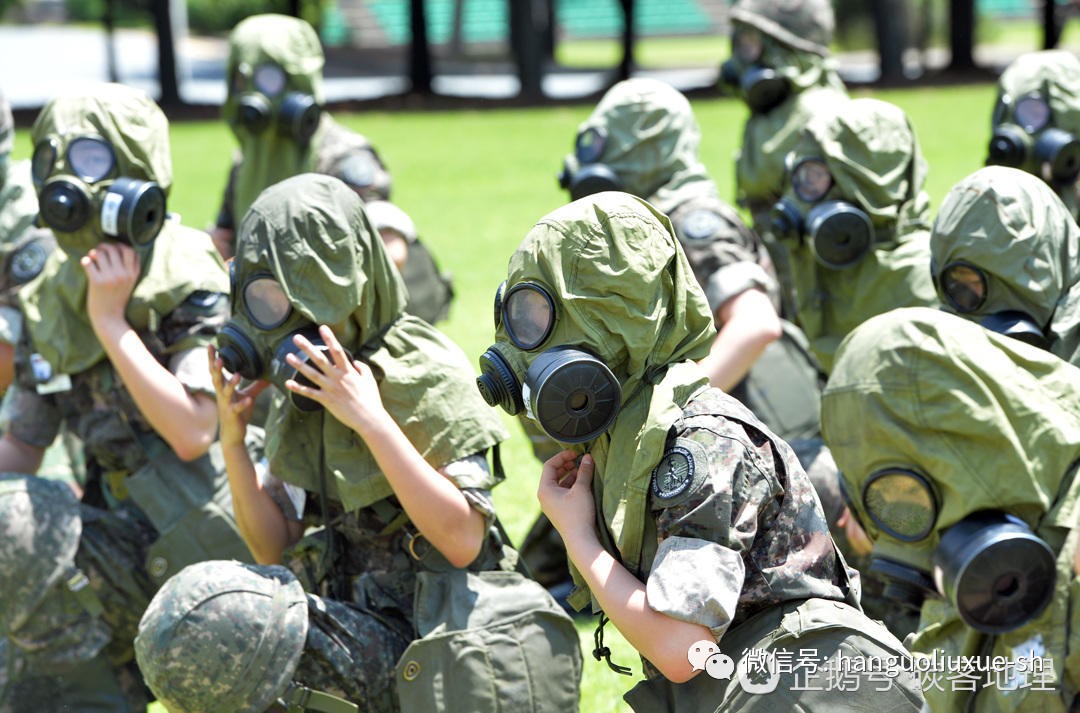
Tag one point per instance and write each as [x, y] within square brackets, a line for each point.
[187, 423]
[662, 640]
[749, 323]
[262, 524]
[434, 504]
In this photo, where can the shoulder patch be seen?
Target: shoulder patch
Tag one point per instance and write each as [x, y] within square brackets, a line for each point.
[680, 472]
[701, 224]
[28, 261]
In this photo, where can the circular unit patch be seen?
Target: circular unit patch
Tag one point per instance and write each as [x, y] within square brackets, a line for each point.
[701, 224]
[674, 474]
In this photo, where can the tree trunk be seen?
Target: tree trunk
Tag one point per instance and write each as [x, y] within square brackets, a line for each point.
[420, 72]
[626, 67]
[962, 34]
[891, 28]
[163, 25]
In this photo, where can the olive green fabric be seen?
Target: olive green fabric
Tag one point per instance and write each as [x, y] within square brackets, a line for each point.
[18, 209]
[1053, 75]
[182, 261]
[311, 234]
[268, 157]
[179, 261]
[806, 25]
[651, 141]
[994, 424]
[873, 155]
[625, 292]
[1012, 226]
[129, 120]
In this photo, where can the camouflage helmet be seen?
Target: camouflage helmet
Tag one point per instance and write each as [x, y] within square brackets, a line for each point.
[7, 126]
[40, 527]
[803, 24]
[223, 636]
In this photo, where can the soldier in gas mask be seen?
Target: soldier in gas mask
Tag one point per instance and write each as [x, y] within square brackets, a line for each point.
[1006, 253]
[686, 520]
[23, 250]
[643, 138]
[855, 219]
[275, 108]
[377, 434]
[1036, 121]
[959, 450]
[780, 66]
[114, 344]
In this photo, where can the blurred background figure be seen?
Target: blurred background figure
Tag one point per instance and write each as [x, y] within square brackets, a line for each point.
[1036, 121]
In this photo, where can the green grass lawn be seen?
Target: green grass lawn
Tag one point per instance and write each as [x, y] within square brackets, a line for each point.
[476, 181]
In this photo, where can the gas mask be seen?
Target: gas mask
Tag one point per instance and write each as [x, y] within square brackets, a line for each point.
[965, 287]
[582, 174]
[839, 232]
[762, 88]
[990, 566]
[86, 185]
[256, 342]
[295, 115]
[1029, 142]
[569, 392]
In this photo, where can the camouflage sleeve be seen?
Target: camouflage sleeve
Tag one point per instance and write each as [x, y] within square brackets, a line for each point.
[734, 279]
[34, 419]
[470, 474]
[193, 324]
[707, 495]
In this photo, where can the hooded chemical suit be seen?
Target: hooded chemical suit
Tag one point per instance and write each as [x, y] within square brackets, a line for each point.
[307, 255]
[780, 66]
[598, 328]
[959, 451]
[856, 220]
[1005, 253]
[1036, 121]
[274, 107]
[103, 170]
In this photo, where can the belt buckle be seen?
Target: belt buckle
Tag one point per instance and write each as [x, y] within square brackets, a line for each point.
[411, 536]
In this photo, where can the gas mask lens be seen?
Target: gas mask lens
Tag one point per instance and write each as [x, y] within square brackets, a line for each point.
[811, 180]
[269, 79]
[901, 503]
[964, 286]
[589, 145]
[529, 315]
[1032, 113]
[90, 158]
[266, 302]
[747, 45]
[44, 159]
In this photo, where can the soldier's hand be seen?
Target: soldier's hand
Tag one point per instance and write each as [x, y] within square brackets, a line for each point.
[112, 270]
[855, 534]
[565, 492]
[234, 407]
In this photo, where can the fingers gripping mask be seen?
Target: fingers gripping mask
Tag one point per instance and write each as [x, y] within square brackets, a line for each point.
[839, 232]
[258, 339]
[995, 572]
[583, 174]
[569, 392]
[79, 188]
[1025, 137]
[264, 102]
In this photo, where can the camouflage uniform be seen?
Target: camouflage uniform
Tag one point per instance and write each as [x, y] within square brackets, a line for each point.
[23, 249]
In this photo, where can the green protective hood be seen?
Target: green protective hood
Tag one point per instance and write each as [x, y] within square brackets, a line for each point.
[992, 422]
[181, 261]
[269, 157]
[1013, 227]
[1052, 74]
[129, 120]
[874, 158]
[625, 292]
[767, 140]
[651, 141]
[805, 25]
[311, 234]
